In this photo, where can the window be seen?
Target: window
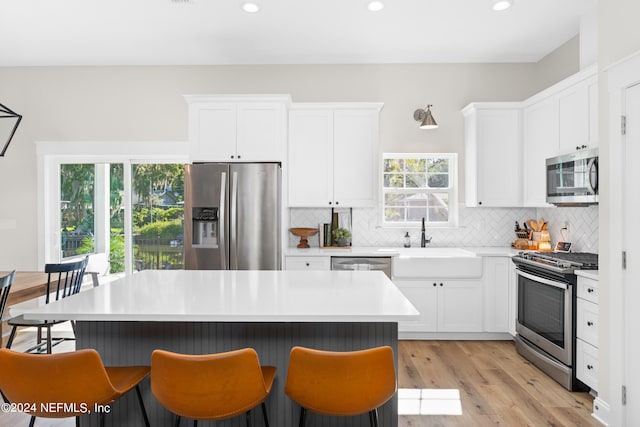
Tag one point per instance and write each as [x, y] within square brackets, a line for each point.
[420, 185]
[115, 198]
[92, 217]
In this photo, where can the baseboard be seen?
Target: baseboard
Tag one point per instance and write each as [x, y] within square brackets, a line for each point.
[601, 411]
[486, 336]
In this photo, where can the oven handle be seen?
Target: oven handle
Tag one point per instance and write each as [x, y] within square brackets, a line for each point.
[539, 279]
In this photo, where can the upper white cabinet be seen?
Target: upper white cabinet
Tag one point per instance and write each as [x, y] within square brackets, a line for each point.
[578, 116]
[241, 128]
[333, 153]
[493, 153]
[540, 142]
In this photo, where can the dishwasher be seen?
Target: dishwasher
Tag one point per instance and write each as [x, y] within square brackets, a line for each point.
[362, 263]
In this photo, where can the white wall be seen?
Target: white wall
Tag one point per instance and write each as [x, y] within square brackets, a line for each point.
[618, 37]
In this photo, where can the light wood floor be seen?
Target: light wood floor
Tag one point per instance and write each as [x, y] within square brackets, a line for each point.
[496, 387]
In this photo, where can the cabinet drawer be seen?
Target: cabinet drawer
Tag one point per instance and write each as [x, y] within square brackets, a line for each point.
[307, 263]
[587, 319]
[587, 289]
[587, 364]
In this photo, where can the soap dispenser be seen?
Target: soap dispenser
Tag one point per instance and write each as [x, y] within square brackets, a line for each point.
[407, 240]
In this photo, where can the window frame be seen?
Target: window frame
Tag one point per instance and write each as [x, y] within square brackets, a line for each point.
[50, 155]
[451, 190]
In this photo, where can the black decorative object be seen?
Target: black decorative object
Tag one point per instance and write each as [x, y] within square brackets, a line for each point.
[9, 121]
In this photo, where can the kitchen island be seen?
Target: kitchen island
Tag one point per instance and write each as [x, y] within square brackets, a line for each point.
[200, 312]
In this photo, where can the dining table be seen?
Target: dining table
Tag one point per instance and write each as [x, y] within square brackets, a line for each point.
[27, 285]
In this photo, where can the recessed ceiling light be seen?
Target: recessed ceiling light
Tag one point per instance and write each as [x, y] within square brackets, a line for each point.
[251, 7]
[500, 5]
[375, 6]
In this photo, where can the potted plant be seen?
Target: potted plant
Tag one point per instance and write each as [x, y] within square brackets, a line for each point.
[342, 236]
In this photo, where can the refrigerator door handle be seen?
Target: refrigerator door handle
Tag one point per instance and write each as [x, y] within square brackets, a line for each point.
[234, 222]
[221, 222]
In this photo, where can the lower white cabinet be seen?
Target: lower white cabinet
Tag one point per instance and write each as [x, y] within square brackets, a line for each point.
[497, 294]
[445, 305]
[587, 320]
[307, 263]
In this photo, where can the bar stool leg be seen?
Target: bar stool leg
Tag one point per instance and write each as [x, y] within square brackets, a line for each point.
[248, 418]
[264, 415]
[12, 336]
[303, 417]
[177, 421]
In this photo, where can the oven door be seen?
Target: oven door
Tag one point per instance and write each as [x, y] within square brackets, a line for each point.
[544, 315]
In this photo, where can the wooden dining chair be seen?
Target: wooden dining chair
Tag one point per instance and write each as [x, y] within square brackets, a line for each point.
[341, 383]
[211, 386]
[75, 382]
[66, 278]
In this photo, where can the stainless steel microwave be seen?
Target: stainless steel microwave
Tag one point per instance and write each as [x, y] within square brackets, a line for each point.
[572, 179]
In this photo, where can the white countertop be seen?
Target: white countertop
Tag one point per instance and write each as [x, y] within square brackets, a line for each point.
[590, 274]
[365, 251]
[237, 296]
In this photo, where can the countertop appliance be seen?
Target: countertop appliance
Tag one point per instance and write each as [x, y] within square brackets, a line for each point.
[232, 216]
[362, 263]
[572, 179]
[546, 311]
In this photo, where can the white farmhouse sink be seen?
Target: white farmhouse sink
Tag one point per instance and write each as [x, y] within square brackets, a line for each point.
[416, 263]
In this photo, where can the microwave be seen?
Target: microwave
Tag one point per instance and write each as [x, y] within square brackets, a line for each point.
[572, 179]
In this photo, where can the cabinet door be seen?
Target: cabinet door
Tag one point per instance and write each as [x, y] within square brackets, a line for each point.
[459, 306]
[355, 154]
[498, 167]
[261, 133]
[540, 143]
[587, 320]
[593, 112]
[573, 118]
[423, 296]
[495, 279]
[310, 154]
[212, 132]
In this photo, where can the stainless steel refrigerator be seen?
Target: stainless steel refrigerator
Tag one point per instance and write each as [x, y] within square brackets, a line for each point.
[232, 216]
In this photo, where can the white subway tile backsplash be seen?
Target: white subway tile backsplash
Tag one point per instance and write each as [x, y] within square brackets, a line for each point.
[477, 227]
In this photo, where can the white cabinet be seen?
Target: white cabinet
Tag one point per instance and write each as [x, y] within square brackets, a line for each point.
[540, 143]
[493, 158]
[445, 305]
[557, 121]
[587, 322]
[237, 128]
[577, 116]
[497, 294]
[333, 155]
[307, 263]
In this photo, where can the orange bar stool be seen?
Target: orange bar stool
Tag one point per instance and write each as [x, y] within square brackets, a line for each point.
[341, 383]
[211, 386]
[65, 385]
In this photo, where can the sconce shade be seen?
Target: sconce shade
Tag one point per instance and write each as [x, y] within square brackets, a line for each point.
[9, 122]
[425, 118]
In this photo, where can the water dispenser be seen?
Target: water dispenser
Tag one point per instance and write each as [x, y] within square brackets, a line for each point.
[205, 227]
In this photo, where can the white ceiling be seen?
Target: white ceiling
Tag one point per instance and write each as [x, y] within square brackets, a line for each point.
[162, 32]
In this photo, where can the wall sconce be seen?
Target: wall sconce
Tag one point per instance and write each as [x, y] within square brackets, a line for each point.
[9, 122]
[425, 118]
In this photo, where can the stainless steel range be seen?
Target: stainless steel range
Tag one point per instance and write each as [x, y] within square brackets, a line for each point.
[546, 319]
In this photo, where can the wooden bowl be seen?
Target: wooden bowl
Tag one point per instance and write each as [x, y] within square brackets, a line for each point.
[303, 233]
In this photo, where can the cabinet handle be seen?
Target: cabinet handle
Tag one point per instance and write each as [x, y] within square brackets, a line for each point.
[479, 203]
[589, 367]
[329, 202]
[232, 156]
[239, 156]
[589, 323]
[307, 264]
[435, 284]
[440, 284]
[590, 290]
[337, 203]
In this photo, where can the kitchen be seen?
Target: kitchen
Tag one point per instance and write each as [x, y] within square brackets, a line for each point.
[147, 104]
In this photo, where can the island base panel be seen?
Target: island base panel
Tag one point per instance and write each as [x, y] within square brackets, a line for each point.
[131, 343]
